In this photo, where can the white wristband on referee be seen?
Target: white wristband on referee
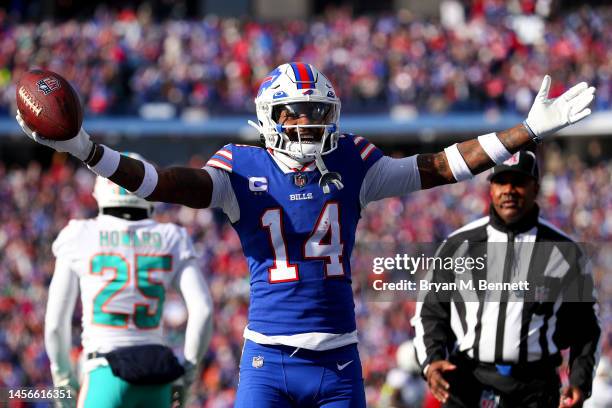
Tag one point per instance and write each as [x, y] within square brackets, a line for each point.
[149, 182]
[494, 148]
[108, 163]
[457, 164]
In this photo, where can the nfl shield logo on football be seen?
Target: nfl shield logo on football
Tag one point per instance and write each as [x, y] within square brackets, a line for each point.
[300, 180]
[48, 85]
[258, 361]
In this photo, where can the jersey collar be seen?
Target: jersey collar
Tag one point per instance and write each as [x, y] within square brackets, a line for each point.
[288, 165]
[526, 223]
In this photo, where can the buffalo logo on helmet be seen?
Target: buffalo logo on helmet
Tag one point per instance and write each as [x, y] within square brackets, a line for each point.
[268, 81]
[48, 85]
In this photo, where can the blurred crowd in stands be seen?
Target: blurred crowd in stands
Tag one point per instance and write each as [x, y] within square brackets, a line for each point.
[489, 55]
[35, 203]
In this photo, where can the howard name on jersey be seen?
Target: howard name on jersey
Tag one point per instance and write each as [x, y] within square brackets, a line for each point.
[124, 270]
[297, 239]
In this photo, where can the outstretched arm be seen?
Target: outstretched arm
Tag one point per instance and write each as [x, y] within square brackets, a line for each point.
[435, 169]
[547, 116]
[177, 185]
[390, 177]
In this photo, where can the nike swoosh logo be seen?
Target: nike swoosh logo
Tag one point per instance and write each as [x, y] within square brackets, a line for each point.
[343, 366]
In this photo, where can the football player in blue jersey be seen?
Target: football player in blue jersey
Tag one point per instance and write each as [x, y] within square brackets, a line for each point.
[295, 204]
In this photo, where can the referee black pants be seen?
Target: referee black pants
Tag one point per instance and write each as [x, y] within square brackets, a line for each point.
[533, 385]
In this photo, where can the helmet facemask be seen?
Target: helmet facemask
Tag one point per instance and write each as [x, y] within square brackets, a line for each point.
[311, 132]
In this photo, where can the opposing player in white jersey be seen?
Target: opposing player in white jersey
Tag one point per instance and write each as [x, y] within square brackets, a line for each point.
[123, 262]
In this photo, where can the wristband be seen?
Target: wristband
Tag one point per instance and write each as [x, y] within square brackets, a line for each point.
[108, 163]
[149, 181]
[534, 137]
[457, 163]
[91, 154]
[494, 148]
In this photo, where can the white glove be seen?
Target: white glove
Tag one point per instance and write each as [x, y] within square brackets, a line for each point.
[550, 115]
[79, 146]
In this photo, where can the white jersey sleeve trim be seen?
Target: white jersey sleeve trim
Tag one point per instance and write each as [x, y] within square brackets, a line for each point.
[310, 341]
[62, 296]
[390, 177]
[223, 195]
[225, 153]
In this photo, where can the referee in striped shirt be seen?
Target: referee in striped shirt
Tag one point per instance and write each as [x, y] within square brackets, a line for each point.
[502, 349]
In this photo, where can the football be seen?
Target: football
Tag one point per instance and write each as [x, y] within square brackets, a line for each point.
[49, 105]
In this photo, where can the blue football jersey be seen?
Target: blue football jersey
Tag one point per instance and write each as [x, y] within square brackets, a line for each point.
[297, 239]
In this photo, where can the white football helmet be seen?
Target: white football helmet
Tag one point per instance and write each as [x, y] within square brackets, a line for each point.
[300, 89]
[109, 194]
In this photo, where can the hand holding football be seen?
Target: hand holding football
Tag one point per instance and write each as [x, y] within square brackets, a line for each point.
[49, 105]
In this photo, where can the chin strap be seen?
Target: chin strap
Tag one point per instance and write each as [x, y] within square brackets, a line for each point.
[327, 177]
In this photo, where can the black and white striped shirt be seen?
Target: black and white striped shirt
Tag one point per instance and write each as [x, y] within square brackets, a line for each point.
[497, 328]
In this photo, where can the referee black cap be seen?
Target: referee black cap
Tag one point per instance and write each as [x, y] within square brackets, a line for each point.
[522, 162]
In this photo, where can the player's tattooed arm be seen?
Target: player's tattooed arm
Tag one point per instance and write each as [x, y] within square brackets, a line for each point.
[435, 170]
[178, 185]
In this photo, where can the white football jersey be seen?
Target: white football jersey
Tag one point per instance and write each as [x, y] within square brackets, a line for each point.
[124, 270]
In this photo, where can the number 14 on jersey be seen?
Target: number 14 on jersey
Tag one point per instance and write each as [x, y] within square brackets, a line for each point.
[324, 243]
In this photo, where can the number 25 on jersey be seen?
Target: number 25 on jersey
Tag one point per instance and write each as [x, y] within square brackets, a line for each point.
[145, 264]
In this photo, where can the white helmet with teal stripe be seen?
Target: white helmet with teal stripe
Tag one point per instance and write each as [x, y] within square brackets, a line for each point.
[298, 89]
[111, 195]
